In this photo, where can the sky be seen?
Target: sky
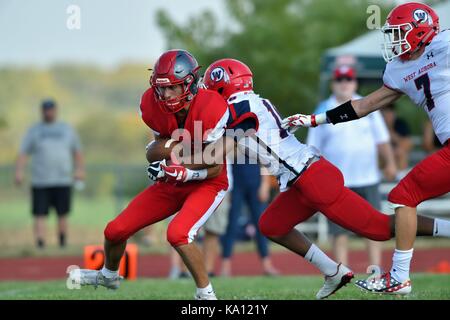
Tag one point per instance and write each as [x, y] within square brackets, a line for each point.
[111, 32]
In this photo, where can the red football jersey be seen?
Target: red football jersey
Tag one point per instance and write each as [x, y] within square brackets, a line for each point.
[205, 122]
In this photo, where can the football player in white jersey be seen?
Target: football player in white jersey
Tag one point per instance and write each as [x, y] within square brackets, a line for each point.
[418, 65]
[309, 183]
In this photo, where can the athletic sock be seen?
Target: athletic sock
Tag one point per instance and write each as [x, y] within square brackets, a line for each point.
[109, 273]
[318, 258]
[400, 264]
[62, 239]
[206, 290]
[441, 228]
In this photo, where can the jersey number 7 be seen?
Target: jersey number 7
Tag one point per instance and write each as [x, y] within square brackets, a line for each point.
[424, 82]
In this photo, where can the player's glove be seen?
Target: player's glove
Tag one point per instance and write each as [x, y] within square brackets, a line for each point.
[296, 121]
[154, 170]
[174, 173]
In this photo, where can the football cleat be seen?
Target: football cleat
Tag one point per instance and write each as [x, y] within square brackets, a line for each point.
[336, 281]
[384, 285]
[94, 278]
[206, 296]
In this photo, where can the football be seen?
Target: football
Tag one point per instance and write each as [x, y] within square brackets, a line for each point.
[158, 150]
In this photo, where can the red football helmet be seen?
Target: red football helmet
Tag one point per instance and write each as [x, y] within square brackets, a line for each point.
[408, 27]
[172, 68]
[228, 76]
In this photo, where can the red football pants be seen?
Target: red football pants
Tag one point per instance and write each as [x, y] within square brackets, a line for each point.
[321, 188]
[430, 178]
[195, 202]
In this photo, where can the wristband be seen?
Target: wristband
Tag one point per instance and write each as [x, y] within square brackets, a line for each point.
[196, 174]
[342, 113]
[313, 120]
[320, 118]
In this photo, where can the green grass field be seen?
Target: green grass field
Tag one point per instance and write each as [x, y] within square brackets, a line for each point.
[425, 287]
[86, 223]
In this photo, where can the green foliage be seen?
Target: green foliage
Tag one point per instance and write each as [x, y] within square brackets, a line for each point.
[282, 42]
[102, 105]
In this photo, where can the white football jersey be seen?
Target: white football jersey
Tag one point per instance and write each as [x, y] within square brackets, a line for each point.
[426, 81]
[273, 147]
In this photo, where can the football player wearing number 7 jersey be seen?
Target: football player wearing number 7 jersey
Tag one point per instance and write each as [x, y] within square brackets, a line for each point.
[418, 65]
[308, 182]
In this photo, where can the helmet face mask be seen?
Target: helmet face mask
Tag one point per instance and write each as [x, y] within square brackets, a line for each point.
[175, 68]
[178, 102]
[395, 41]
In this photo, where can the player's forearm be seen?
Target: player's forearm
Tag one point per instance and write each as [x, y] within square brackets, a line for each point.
[375, 101]
[355, 109]
[214, 171]
[348, 111]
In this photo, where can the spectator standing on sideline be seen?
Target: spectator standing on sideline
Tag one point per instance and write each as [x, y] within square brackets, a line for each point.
[253, 189]
[354, 147]
[56, 164]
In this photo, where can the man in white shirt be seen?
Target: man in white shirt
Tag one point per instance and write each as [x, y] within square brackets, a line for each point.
[356, 158]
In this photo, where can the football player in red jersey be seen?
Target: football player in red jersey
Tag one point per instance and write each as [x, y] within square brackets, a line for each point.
[417, 57]
[173, 102]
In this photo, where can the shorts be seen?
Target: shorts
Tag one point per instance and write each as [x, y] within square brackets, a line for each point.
[44, 198]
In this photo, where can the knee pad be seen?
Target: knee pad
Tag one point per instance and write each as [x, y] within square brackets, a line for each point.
[177, 237]
[114, 232]
[400, 197]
